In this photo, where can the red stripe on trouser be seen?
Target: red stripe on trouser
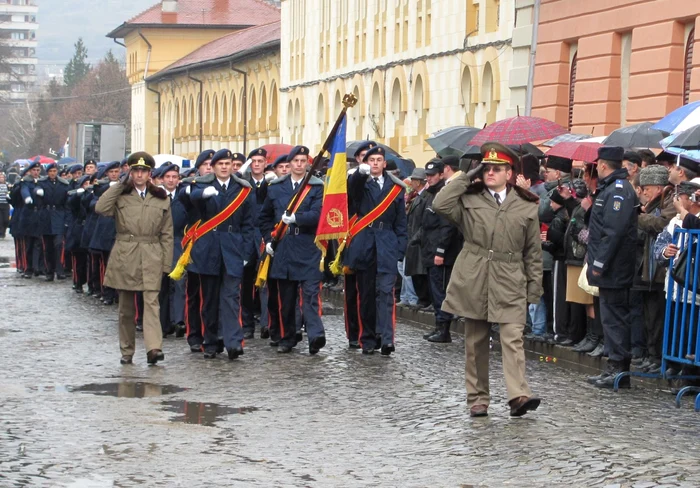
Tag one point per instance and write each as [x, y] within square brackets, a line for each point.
[63, 252]
[201, 306]
[187, 308]
[359, 316]
[320, 306]
[240, 310]
[279, 309]
[75, 272]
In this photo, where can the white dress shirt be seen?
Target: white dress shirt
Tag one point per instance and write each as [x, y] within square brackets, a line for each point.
[379, 180]
[501, 194]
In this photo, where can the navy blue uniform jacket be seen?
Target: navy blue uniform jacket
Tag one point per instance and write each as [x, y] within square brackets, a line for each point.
[30, 224]
[105, 231]
[386, 240]
[231, 242]
[52, 210]
[297, 257]
[74, 232]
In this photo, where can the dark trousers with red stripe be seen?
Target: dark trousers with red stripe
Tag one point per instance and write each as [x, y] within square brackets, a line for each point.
[53, 254]
[95, 271]
[377, 306]
[19, 254]
[284, 297]
[193, 309]
[107, 292]
[249, 304]
[33, 255]
[80, 267]
[221, 311]
[352, 326]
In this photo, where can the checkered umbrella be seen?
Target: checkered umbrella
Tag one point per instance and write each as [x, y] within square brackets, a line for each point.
[568, 137]
[578, 151]
[518, 130]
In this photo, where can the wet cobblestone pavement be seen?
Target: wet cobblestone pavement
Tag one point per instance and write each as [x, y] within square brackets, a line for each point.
[71, 415]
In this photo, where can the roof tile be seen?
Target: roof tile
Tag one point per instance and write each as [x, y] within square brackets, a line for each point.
[210, 12]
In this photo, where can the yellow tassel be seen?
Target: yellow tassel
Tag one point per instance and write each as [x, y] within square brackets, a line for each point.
[182, 263]
[263, 271]
[337, 264]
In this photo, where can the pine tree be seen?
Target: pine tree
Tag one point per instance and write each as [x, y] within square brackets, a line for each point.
[77, 68]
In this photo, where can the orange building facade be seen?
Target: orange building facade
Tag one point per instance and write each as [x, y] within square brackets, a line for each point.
[603, 64]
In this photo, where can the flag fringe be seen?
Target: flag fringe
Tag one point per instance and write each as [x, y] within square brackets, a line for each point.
[182, 263]
[336, 266]
[263, 271]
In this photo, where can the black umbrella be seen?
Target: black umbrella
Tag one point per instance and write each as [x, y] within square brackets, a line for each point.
[452, 141]
[687, 139]
[352, 146]
[638, 136]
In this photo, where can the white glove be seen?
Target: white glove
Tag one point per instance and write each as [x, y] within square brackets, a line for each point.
[112, 183]
[291, 219]
[270, 176]
[352, 171]
[39, 192]
[80, 191]
[188, 189]
[28, 200]
[364, 169]
[269, 250]
[245, 263]
[209, 192]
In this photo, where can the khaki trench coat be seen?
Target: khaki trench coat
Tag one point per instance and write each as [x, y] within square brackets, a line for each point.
[494, 286]
[143, 249]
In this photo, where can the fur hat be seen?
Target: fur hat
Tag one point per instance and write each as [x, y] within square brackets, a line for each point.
[654, 175]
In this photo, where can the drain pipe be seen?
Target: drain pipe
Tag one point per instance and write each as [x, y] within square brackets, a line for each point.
[533, 53]
[117, 42]
[245, 107]
[159, 108]
[145, 75]
[148, 56]
[201, 125]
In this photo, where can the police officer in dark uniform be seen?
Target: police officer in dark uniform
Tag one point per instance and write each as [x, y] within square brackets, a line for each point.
[31, 221]
[52, 193]
[16, 229]
[256, 178]
[74, 233]
[373, 254]
[440, 243]
[296, 257]
[612, 241]
[105, 231]
[193, 317]
[88, 201]
[221, 254]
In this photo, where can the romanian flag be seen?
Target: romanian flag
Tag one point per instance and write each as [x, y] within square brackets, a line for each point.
[334, 213]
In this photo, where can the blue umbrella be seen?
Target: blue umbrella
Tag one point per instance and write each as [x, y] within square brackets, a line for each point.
[66, 161]
[680, 119]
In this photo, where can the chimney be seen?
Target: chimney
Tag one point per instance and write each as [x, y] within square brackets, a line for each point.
[169, 6]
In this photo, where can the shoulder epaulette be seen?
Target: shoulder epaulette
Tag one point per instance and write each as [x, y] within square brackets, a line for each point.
[241, 181]
[189, 179]
[279, 180]
[28, 179]
[64, 181]
[206, 178]
[315, 181]
[397, 180]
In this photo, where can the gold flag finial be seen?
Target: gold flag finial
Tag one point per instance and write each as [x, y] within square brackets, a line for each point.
[349, 100]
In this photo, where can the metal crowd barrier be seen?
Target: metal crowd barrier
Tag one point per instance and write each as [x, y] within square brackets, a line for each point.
[682, 319]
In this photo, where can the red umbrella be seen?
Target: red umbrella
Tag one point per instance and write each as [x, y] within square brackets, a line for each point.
[578, 151]
[518, 130]
[276, 150]
[43, 159]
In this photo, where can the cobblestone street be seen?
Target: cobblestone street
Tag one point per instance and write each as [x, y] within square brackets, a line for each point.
[71, 415]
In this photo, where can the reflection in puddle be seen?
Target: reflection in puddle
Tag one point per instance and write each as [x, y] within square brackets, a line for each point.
[206, 414]
[127, 389]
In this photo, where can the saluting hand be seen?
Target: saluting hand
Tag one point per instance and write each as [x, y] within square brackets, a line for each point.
[209, 192]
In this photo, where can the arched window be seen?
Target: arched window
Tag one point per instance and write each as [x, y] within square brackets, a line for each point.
[688, 68]
[572, 90]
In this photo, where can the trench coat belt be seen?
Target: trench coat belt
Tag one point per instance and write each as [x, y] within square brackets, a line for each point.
[133, 238]
[490, 255]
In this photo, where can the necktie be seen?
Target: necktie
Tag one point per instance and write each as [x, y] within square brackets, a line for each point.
[497, 196]
[223, 188]
[376, 180]
[170, 195]
[257, 184]
[296, 185]
[143, 195]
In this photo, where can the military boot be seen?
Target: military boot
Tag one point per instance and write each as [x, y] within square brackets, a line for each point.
[615, 368]
[443, 334]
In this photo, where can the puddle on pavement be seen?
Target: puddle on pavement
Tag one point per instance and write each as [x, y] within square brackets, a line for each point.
[127, 389]
[206, 414]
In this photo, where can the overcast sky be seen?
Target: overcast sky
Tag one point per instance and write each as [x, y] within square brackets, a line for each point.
[61, 22]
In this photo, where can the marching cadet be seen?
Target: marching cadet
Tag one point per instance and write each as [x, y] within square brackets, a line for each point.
[74, 233]
[224, 202]
[31, 221]
[172, 293]
[104, 232]
[90, 167]
[281, 165]
[52, 193]
[16, 229]
[142, 252]
[352, 324]
[193, 318]
[256, 178]
[88, 201]
[296, 258]
[497, 273]
[76, 172]
[377, 242]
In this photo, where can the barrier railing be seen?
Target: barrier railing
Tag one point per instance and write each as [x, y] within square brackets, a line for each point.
[680, 360]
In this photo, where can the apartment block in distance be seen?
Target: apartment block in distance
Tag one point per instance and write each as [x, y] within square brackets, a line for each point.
[18, 43]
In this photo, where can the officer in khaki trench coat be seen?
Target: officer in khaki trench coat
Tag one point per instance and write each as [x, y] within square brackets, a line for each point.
[143, 251]
[497, 273]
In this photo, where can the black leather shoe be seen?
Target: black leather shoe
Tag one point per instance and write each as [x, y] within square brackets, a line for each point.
[220, 346]
[79, 290]
[108, 302]
[299, 337]
[442, 337]
[154, 355]
[598, 351]
[387, 349]
[264, 333]
[60, 277]
[126, 360]
[180, 330]
[369, 352]
[284, 349]
[209, 354]
[432, 332]
[234, 352]
[317, 344]
[609, 381]
[595, 379]
[354, 345]
[195, 348]
[248, 335]
[274, 343]
[48, 278]
[139, 326]
[27, 276]
[90, 292]
[566, 343]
